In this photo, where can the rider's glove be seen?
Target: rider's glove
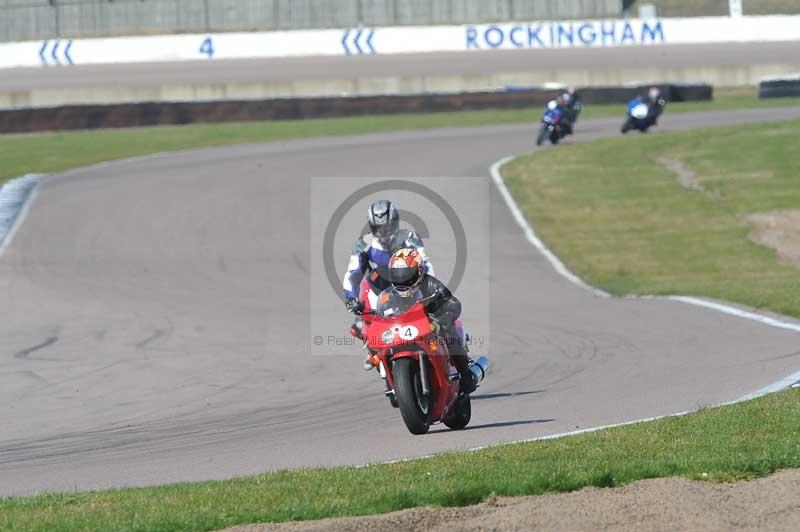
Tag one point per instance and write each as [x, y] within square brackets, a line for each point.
[354, 305]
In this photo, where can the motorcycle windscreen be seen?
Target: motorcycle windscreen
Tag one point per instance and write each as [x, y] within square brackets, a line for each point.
[640, 111]
[395, 301]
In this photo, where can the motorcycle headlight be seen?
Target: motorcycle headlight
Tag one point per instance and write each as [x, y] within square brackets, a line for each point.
[387, 336]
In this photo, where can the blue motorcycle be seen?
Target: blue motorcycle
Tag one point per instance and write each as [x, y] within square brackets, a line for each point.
[550, 126]
[639, 116]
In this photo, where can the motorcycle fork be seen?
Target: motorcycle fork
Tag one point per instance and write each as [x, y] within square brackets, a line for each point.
[423, 375]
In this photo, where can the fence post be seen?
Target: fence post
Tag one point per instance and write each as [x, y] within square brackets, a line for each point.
[57, 17]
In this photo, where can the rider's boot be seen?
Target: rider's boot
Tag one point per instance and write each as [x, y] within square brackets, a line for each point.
[368, 365]
[357, 331]
[456, 341]
[461, 362]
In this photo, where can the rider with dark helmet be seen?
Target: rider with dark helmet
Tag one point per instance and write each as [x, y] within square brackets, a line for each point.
[407, 274]
[572, 107]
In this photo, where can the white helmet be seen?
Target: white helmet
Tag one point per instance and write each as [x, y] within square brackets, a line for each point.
[384, 220]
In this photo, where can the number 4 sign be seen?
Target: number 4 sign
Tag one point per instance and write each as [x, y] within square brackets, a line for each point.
[207, 48]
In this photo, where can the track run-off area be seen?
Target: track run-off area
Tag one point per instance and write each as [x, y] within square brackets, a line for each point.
[155, 321]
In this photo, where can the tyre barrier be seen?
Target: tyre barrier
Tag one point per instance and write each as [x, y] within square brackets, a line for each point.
[97, 116]
[780, 88]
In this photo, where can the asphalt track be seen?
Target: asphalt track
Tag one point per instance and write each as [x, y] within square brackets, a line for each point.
[139, 75]
[154, 322]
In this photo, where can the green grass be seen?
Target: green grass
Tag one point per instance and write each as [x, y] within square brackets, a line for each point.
[55, 152]
[586, 202]
[741, 441]
[622, 222]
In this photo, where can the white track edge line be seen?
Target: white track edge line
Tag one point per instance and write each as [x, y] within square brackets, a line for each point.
[530, 234]
[22, 212]
[560, 268]
[790, 381]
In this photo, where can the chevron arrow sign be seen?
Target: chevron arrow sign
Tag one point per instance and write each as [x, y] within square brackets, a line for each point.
[56, 52]
[358, 41]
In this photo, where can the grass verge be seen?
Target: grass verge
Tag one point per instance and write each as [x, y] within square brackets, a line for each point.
[619, 218]
[735, 442]
[55, 152]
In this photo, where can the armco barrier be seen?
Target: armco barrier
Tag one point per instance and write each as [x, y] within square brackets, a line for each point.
[780, 88]
[175, 113]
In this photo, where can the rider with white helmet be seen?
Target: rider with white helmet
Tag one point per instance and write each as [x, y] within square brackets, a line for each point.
[369, 260]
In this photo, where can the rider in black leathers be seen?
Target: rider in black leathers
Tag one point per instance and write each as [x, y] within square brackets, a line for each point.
[571, 108]
[407, 274]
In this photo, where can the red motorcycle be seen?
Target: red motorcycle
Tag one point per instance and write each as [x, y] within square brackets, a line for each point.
[413, 358]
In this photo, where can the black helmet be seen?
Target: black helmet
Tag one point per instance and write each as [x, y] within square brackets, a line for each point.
[406, 270]
[384, 220]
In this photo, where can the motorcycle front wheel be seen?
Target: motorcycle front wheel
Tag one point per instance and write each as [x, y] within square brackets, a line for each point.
[542, 135]
[414, 406]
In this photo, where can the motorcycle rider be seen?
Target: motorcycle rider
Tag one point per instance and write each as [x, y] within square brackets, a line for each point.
[571, 108]
[656, 104]
[556, 107]
[557, 104]
[408, 275]
[371, 254]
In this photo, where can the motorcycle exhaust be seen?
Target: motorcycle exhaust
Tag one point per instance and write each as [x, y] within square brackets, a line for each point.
[479, 368]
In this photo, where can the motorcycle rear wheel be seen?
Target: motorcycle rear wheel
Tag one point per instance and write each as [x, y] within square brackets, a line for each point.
[414, 407]
[461, 415]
